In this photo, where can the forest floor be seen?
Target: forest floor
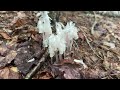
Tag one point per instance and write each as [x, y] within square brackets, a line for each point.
[95, 55]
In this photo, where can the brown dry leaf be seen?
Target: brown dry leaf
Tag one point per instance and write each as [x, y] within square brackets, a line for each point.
[118, 67]
[19, 22]
[14, 69]
[45, 75]
[92, 73]
[97, 34]
[12, 54]
[106, 64]
[6, 73]
[66, 71]
[3, 50]
[107, 38]
[66, 61]
[109, 54]
[13, 42]
[37, 37]
[5, 35]
[94, 58]
[1, 58]
[81, 36]
[109, 44]
[115, 66]
[21, 14]
[13, 75]
[70, 72]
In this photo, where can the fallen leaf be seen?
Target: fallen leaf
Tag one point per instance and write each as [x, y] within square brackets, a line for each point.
[111, 45]
[19, 22]
[15, 69]
[94, 58]
[64, 61]
[70, 72]
[21, 14]
[92, 74]
[107, 38]
[3, 49]
[80, 35]
[118, 67]
[106, 64]
[12, 54]
[13, 42]
[66, 71]
[97, 34]
[5, 35]
[37, 37]
[45, 75]
[6, 73]
[13, 75]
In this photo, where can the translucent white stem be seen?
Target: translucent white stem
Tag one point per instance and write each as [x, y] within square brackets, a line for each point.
[71, 43]
[51, 60]
[60, 57]
[43, 37]
[56, 55]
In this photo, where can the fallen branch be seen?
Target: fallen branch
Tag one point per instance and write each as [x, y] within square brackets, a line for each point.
[32, 72]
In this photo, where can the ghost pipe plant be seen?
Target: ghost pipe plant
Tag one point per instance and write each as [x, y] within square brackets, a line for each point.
[70, 32]
[56, 42]
[44, 26]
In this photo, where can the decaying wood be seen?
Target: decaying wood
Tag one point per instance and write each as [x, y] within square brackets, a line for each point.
[33, 71]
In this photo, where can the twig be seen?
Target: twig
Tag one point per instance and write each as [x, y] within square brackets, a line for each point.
[32, 72]
[95, 22]
[115, 52]
[76, 43]
[90, 45]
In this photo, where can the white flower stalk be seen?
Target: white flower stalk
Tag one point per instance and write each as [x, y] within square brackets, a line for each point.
[71, 33]
[44, 26]
[61, 35]
[52, 45]
[59, 27]
[56, 44]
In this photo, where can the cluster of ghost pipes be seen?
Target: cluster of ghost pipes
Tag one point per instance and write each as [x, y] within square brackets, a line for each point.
[63, 39]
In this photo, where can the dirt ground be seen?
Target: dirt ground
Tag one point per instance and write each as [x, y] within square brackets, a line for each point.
[23, 57]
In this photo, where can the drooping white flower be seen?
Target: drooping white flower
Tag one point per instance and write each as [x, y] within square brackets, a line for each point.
[59, 42]
[71, 30]
[70, 33]
[60, 37]
[44, 26]
[59, 27]
[44, 23]
[52, 42]
[56, 44]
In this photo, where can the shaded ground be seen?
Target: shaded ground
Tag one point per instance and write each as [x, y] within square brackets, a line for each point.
[21, 47]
